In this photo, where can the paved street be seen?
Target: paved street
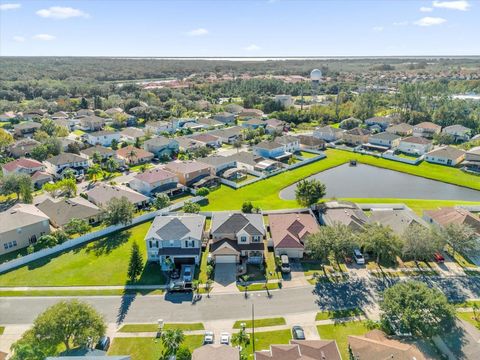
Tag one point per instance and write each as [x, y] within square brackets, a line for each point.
[357, 292]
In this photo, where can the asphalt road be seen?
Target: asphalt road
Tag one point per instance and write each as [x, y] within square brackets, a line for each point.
[357, 292]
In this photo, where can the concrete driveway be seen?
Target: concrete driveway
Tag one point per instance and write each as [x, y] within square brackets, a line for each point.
[225, 274]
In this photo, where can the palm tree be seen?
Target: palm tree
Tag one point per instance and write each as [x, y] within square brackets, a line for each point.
[241, 338]
[171, 340]
[69, 174]
[131, 154]
[94, 171]
[111, 165]
[96, 157]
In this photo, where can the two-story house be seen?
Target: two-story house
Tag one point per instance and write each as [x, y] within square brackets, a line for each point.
[159, 127]
[426, 129]
[134, 156]
[415, 145]
[91, 123]
[385, 139]
[356, 136]
[382, 122]
[189, 172]
[56, 165]
[237, 236]
[161, 146]
[154, 180]
[459, 133]
[175, 240]
[328, 133]
[271, 149]
[290, 143]
[104, 137]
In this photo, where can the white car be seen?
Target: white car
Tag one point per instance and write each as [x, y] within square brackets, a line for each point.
[209, 337]
[225, 338]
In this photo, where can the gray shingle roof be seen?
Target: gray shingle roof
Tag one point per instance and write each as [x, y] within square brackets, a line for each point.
[61, 211]
[227, 223]
[177, 227]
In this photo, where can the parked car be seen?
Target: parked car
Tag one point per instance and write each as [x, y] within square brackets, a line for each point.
[285, 264]
[187, 273]
[298, 333]
[358, 256]
[225, 338]
[209, 337]
[180, 286]
[103, 344]
[438, 257]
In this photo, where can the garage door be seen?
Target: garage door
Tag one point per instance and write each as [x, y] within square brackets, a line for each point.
[226, 259]
[184, 260]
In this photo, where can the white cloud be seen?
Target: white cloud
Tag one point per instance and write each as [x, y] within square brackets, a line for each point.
[59, 12]
[430, 21]
[10, 6]
[43, 37]
[426, 9]
[198, 32]
[377, 28]
[400, 23]
[252, 47]
[19, 38]
[461, 5]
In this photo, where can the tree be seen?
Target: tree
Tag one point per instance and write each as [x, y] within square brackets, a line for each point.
[308, 192]
[20, 184]
[183, 353]
[111, 164]
[191, 207]
[114, 144]
[413, 307]
[420, 242]
[343, 240]
[171, 340]
[247, 207]
[83, 103]
[319, 245]
[462, 238]
[77, 226]
[119, 211]
[161, 201]
[45, 241]
[96, 157]
[94, 172]
[237, 145]
[6, 139]
[135, 266]
[241, 338]
[28, 347]
[381, 241]
[203, 191]
[25, 185]
[66, 186]
[69, 322]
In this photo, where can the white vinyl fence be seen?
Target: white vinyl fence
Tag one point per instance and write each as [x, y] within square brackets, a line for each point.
[67, 245]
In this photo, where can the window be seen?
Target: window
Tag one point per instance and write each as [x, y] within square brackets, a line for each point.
[243, 239]
[171, 243]
[150, 243]
[5, 246]
[14, 242]
[256, 238]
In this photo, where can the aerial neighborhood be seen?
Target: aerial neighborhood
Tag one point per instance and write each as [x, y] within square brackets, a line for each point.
[264, 217]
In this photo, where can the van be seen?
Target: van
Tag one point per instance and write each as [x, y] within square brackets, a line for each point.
[358, 256]
[285, 264]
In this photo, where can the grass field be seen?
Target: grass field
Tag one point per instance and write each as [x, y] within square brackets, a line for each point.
[263, 340]
[264, 193]
[469, 317]
[260, 323]
[340, 332]
[167, 326]
[146, 348]
[60, 292]
[101, 262]
[338, 314]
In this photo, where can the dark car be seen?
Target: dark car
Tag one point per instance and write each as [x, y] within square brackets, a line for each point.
[103, 344]
[438, 257]
[298, 333]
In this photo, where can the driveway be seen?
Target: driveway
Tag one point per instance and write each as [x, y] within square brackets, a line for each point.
[225, 279]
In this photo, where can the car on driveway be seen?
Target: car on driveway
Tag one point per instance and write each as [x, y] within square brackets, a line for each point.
[208, 338]
[438, 257]
[187, 273]
[298, 333]
[225, 338]
[285, 264]
[358, 256]
[103, 344]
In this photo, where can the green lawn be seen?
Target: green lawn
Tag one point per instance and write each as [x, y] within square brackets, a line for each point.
[60, 292]
[101, 262]
[340, 332]
[264, 193]
[263, 340]
[260, 287]
[469, 317]
[260, 323]
[146, 348]
[307, 155]
[2, 329]
[167, 326]
[272, 266]
[338, 314]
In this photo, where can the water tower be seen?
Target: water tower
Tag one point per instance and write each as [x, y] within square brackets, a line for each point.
[315, 77]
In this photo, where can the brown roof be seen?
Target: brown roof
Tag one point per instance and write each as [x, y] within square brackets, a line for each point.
[290, 230]
[152, 176]
[205, 138]
[428, 125]
[216, 352]
[417, 140]
[375, 345]
[311, 140]
[450, 215]
[185, 167]
[22, 163]
[447, 152]
[302, 350]
[139, 153]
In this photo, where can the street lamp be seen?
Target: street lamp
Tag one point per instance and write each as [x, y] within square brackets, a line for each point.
[160, 327]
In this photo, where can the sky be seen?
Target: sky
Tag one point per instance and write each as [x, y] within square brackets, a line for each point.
[246, 28]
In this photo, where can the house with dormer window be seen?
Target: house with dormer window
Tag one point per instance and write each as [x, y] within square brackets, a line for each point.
[175, 240]
[236, 237]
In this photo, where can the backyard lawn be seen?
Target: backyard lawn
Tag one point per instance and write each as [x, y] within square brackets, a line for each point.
[147, 348]
[340, 332]
[101, 262]
[264, 193]
[260, 323]
[263, 340]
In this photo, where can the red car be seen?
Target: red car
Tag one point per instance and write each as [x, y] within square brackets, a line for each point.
[438, 257]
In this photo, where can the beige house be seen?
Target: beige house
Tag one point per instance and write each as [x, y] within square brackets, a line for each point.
[447, 155]
[189, 172]
[216, 352]
[21, 226]
[357, 136]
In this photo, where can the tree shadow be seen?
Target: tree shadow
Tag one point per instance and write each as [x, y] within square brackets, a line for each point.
[105, 245]
[127, 300]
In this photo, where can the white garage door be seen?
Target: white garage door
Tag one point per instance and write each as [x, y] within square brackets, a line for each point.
[226, 259]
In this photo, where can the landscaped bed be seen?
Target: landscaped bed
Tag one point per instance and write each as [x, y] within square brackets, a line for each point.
[260, 323]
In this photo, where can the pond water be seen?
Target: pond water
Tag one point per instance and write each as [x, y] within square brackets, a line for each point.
[365, 181]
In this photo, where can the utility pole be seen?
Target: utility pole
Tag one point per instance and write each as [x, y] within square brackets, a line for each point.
[253, 328]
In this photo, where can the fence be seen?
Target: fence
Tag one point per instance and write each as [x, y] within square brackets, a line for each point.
[391, 156]
[67, 245]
